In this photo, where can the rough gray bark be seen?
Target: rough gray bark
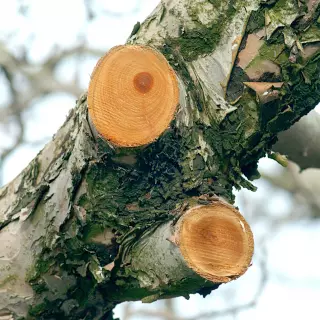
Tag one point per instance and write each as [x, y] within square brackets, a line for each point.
[247, 70]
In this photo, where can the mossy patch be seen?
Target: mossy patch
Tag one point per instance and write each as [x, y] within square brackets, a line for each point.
[256, 21]
[202, 39]
[9, 279]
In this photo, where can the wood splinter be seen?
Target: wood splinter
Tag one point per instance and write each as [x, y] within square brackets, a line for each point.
[133, 95]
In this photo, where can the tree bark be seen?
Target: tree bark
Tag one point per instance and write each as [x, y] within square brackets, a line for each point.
[72, 223]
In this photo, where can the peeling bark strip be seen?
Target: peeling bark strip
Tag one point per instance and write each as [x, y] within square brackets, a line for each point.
[83, 224]
[133, 95]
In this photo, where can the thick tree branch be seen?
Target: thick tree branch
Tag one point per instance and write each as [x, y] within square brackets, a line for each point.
[82, 221]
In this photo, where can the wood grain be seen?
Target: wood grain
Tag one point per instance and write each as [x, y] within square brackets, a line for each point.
[133, 95]
[216, 242]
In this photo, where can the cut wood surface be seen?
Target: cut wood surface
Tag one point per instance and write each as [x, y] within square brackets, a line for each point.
[216, 242]
[133, 95]
[205, 246]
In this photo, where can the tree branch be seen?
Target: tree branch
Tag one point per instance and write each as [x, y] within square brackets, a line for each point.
[85, 222]
[301, 142]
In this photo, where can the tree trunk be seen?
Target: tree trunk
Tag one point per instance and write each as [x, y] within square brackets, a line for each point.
[91, 223]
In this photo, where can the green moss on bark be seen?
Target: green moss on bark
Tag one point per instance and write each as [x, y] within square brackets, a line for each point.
[203, 39]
